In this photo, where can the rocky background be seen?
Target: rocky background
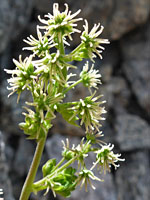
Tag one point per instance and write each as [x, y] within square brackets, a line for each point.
[126, 87]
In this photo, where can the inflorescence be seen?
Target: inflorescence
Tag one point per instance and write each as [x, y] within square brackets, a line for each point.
[45, 74]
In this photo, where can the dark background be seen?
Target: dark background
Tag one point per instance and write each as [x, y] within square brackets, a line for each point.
[126, 87]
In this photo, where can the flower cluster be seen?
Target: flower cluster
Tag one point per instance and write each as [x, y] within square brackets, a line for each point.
[90, 41]
[89, 111]
[85, 177]
[60, 24]
[35, 126]
[39, 46]
[90, 78]
[22, 75]
[105, 157]
[81, 151]
[45, 74]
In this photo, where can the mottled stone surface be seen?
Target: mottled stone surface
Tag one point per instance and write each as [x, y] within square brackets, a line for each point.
[13, 18]
[136, 51]
[132, 132]
[5, 182]
[136, 46]
[133, 178]
[23, 157]
[138, 73]
[10, 109]
[116, 93]
[126, 15]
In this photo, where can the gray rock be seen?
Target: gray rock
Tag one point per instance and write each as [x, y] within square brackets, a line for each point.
[106, 72]
[5, 62]
[132, 132]
[23, 157]
[138, 73]
[116, 93]
[41, 196]
[5, 182]
[21, 164]
[13, 18]
[43, 6]
[135, 49]
[136, 45]
[7, 17]
[10, 110]
[133, 178]
[126, 15]
[54, 146]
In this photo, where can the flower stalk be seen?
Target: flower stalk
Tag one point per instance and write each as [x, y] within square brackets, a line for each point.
[27, 188]
[45, 73]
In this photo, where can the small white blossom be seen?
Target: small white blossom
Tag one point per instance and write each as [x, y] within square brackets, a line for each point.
[89, 111]
[106, 157]
[84, 177]
[39, 46]
[90, 78]
[22, 75]
[91, 42]
[60, 23]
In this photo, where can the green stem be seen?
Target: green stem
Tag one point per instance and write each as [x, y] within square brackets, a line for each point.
[61, 161]
[72, 86]
[61, 44]
[77, 49]
[27, 188]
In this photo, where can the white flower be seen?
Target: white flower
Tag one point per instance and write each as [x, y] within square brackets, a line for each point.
[60, 23]
[84, 177]
[106, 157]
[22, 75]
[91, 42]
[90, 78]
[89, 111]
[39, 46]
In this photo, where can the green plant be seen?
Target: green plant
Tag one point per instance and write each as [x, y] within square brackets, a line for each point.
[45, 73]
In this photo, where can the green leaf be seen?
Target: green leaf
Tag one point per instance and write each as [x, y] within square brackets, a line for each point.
[67, 113]
[48, 167]
[64, 182]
